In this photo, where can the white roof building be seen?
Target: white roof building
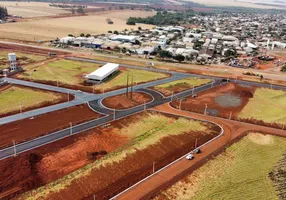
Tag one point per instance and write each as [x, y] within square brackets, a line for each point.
[65, 40]
[103, 72]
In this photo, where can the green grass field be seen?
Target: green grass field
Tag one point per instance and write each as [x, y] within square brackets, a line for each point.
[144, 131]
[12, 98]
[23, 58]
[72, 73]
[180, 85]
[267, 105]
[241, 172]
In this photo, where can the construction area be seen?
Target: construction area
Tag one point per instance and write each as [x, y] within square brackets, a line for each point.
[75, 126]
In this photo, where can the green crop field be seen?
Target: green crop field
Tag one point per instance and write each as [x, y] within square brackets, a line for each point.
[22, 58]
[14, 97]
[63, 71]
[71, 73]
[267, 105]
[241, 172]
[180, 85]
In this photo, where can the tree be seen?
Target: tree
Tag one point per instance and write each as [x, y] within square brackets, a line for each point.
[73, 11]
[130, 23]
[165, 54]
[80, 10]
[179, 57]
[81, 35]
[139, 28]
[116, 32]
[87, 35]
[3, 12]
[137, 42]
[70, 35]
[109, 31]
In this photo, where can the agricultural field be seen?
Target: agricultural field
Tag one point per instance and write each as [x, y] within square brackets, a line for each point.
[31, 9]
[124, 102]
[13, 99]
[267, 105]
[52, 28]
[69, 73]
[22, 59]
[250, 167]
[240, 102]
[131, 145]
[180, 85]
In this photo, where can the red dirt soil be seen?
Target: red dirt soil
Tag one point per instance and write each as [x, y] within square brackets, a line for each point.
[27, 129]
[122, 102]
[114, 178]
[63, 98]
[209, 97]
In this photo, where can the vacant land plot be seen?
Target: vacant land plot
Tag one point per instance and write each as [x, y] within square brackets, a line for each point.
[224, 100]
[31, 9]
[180, 85]
[47, 29]
[132, 144]
[267, 105]
[14, 99]
[22, 59]
[123, 102]
[68, 73]
[241, 172]
[29, 128]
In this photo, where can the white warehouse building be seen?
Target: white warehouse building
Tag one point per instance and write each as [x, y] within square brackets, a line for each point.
[102, 73]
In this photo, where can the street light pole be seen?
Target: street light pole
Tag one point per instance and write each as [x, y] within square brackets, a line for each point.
[193, 91]
[70, 128]
[180, 105]
[172, 96]
[154, 167]
[230, 115]
[206, 107]
[15, 151]
[114, 114]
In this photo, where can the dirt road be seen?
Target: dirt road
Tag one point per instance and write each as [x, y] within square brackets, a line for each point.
[233, 131]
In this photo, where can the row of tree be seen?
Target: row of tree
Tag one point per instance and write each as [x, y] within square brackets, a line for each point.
[163, 18]
[3, 12]
[163, 54]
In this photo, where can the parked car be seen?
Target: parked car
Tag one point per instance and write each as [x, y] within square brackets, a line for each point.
[190, 156]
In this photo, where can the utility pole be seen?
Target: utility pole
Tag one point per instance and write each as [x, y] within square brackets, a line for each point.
[131, 92]
[230, 115]
[193, 89]
[114, 117]
[271, 83]
[14, 147]
[212, 84]
[68, 96]
[93, 88]
[196, 143]
[206, 107]
[180, 105]
[70, 128]
[127, 85]
[172, 96]
[154, 167]
[145, 105]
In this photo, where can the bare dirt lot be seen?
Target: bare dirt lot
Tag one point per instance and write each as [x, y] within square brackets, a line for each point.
[54, 161]
[122, 102]
[220, 101]
[47, 29]
[41, 125]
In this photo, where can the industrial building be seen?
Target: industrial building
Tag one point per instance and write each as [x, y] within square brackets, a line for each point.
[102, 73]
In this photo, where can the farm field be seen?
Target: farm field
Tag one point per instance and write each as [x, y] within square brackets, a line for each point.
[267, 105]
[70, 74]
[239, 178]
[130, 144]
[31, 9]
[180, 85]
[22, 59]
[13, 99]
[123, 102]
[27, 129]
[52, 28]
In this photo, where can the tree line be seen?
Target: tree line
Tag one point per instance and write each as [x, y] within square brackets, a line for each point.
[3, 12]
[163, 18]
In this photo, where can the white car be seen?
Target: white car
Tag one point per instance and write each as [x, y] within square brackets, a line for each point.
[190, 157]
